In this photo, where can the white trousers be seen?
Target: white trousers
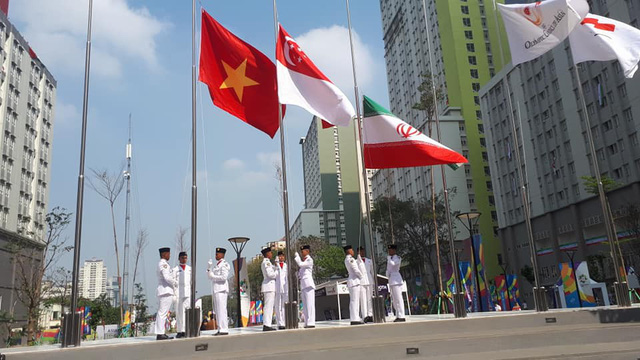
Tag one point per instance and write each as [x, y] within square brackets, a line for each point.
[396, 299]
[267, 309]
[366, 302]
[164, 304]
[309, 306]
[183, 303]
[220, 306]
[281, 299]
[354, 303]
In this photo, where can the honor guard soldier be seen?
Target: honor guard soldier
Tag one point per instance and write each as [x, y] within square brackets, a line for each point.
[395, 282]
[307, 286]
[183, 293]
[219, 274]
[282, 290]
[353, 283]
[269, 275]
[165, 292]
[366, 284]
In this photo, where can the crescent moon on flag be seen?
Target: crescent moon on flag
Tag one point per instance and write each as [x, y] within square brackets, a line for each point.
[287, 56]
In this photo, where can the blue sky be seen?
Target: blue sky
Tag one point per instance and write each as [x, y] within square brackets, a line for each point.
[141, 64]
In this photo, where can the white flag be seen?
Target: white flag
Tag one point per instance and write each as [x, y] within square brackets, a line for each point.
[600, 39]
[533, 29]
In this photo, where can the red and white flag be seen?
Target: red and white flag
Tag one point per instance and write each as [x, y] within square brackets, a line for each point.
[535, 28]
[301, 83]
[600, 39]
[392, 143]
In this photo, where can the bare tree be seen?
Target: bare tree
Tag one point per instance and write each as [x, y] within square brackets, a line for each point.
[109, 186]
[141, 243]
[278, 176]
[181, 239]
[34, 258]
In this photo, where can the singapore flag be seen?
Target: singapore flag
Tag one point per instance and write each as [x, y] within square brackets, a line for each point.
[301, 83]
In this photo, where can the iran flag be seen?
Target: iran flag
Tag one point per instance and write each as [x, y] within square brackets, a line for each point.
[301, 83]
[600, 39]
[392, 143]
[535, 28]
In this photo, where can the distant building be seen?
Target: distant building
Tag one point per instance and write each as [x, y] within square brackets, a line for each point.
[113, 291]
[93, 279]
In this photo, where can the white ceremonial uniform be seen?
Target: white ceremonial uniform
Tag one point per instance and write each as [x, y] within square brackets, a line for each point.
[282, 292]
[183, 279]
[219, 273]
[269, 275]
[395, 284]
[166, 284]
[353, 283]
[307, 289]
[366, 284]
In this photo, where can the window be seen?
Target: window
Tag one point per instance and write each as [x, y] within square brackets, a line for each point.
[628, 115]
[466, 22]
[622, 90]
[471, 48]
[468, 34]
[475, 87]
[633, 139]
[607, 125]
[464, 9]
[612, 149]
[474, 73]
[472, 60]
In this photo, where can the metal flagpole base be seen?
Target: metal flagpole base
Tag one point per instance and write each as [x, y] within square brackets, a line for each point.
[192, 323]
[622, 294]
[71, 329]
[291, 315]
[379, 315]
[540, 295]
[459, 309]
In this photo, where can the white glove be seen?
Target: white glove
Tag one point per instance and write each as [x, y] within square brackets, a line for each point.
[359, 257]
[388, 257]
[209, 264]
[296, 255]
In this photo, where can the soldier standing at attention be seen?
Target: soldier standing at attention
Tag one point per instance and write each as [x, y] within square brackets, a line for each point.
[282, 290]
[395, 282]
[366, 283]
[268, 288]
[183, 278]
[353, 283]
[307, 286]
[166, 283]
[219, 274]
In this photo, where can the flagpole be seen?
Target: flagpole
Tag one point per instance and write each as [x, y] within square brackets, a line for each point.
[192, 315]
[291, 307]
[539, 293]
[71, 323]
[458, 297]
[620, 286]
[378, 302]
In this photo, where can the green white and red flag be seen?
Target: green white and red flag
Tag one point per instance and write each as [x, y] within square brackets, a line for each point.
[392, 143]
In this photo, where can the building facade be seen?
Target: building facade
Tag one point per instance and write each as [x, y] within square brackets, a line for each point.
[333, 207]
[113, 291]
[465, 51]
[93, 279]
[551, 131]
[27, 101]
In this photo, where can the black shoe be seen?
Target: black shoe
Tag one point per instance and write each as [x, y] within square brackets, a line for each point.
[163, 337]
[220, 333]
[368, 319]
[281, 327]
[357, 323]
[266, 328]
[400, 320]
[309, 327]
[180, 335]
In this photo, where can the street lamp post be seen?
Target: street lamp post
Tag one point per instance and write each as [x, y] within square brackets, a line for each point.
[571, 254]
[238, 244]
[472, 219]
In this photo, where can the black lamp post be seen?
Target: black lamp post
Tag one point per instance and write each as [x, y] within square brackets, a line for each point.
[471, 220]
[238, 244]
[571, 254]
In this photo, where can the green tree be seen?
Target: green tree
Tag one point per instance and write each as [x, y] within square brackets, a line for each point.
[591, 184]
[142, 314]
[328, 263]
[254, 273]
[428, 98]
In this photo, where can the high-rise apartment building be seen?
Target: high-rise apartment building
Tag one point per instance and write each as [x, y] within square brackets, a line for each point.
[331, 186]
[93, 279]
[551, 129]
[465, 50]
[27, 100]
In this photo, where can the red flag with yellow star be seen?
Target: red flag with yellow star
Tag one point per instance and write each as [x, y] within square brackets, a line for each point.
[241, 79]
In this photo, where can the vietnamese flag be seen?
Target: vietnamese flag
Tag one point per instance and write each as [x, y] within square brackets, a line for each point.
[241, 79]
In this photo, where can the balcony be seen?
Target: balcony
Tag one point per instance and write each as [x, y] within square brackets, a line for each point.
[10, 127]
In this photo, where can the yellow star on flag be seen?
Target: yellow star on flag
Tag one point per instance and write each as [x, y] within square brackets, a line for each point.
[236, 79]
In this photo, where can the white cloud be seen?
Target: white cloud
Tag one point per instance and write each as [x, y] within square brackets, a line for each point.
[329, 49]
[269, 160]
[67, 114]
[121, 33]
[233, 164]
